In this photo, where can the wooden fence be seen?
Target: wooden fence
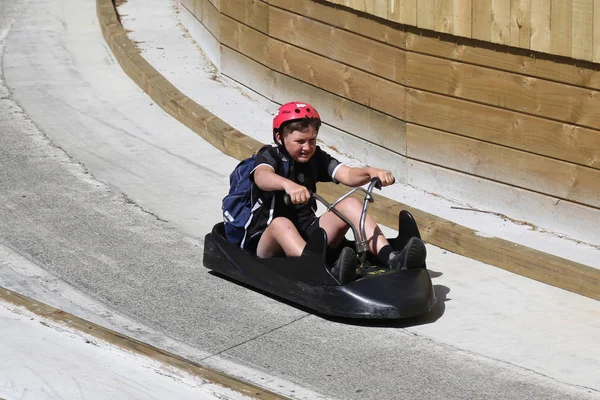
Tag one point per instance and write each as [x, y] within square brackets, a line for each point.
[464, 119]
[561, 27]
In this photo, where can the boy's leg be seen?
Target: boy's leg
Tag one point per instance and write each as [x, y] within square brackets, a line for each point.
[411, 257]
[336, 228]
[280, 237]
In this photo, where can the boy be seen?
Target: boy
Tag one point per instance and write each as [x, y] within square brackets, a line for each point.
[276, 229]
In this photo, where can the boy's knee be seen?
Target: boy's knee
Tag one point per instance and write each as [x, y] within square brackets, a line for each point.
[280, 224]
[352, 203]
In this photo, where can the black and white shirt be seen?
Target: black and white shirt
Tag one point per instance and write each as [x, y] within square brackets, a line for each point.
[320, 168]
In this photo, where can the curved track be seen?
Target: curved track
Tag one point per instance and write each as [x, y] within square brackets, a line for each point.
[102, 189]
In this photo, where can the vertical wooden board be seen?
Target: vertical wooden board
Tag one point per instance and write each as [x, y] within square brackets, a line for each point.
[463, 18]
[254, 13]
[344, 19]
[378, 8]
[444, 16]
[360, 5]
[381, 8]
[500, 32]
[426, 14]
[541, 37]
[370, 7]
[403, 11]
[394, 12]
[561, 29]
[482, 20]
[596, 33]
[583, 29]
[520, 23]
[408, 12]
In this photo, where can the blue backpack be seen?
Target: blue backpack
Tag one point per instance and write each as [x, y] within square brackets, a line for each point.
[237, 205]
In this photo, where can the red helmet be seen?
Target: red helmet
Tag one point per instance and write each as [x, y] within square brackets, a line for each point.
[293, 111]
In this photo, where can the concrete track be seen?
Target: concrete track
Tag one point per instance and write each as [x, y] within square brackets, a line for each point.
[103, 191]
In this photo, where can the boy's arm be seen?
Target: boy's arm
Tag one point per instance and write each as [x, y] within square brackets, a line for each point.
[267, 180]
[353, 177]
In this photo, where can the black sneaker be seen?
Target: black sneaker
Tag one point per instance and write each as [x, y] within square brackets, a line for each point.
[344, 269]
[411, 256]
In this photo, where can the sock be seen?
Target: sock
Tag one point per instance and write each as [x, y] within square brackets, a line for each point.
[384, 254]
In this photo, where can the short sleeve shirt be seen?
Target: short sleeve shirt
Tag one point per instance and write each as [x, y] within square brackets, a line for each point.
[320, 168]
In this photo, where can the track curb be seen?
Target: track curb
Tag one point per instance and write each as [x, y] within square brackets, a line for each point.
[556, 271]
[135, 346]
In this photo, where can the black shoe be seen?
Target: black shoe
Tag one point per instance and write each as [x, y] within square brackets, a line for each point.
[412, 255]
[344, 269]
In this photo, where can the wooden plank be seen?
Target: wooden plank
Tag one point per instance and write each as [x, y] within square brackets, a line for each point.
[244, 39]
[463, 23]
[471, 52]
[583, 29]
[253, 13]
[361, 123]
[518, 168]
[504, 89]
[216, 4]
[208, 15]
[190, 5]
[133, 346]
[444, 16]
[360, 5]
[520, 23]
[541, 37]
[345, 81]
[511, 129]
[426, 14]
[561, 27]
[394, 10]
[496, 57]
[340, 18]
[405, 11]
[596, 33]
[377, 8]
[500, 27]
[340, 45]
[482, 20]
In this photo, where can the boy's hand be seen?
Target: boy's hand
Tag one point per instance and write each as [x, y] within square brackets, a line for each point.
[384, 176]
[298, 193]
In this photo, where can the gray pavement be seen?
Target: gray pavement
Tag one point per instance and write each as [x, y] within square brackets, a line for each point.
[101, 190]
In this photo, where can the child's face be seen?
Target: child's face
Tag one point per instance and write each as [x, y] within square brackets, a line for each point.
[301, 145]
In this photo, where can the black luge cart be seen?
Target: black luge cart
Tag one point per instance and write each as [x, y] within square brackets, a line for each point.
[377, 293]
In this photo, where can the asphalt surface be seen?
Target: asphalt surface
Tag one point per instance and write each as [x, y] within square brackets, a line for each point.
[89, 163]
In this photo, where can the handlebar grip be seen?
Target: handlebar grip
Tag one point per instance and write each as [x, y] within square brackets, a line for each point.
[377, 183]
[287, 199]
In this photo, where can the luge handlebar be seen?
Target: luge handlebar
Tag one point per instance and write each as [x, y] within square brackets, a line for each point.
[359, 236]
